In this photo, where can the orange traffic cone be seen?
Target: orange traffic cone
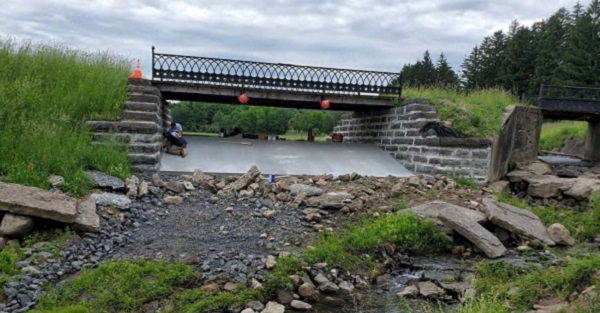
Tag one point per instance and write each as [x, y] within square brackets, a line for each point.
[137, 74]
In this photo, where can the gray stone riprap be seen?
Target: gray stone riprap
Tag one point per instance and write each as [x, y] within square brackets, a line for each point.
[397, 132]
[141, 125]
[105, 181]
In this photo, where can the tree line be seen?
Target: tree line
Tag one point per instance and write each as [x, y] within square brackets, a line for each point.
[561, 50]
[210, 118]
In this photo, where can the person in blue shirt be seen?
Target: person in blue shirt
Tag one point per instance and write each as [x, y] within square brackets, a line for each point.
[176, 144]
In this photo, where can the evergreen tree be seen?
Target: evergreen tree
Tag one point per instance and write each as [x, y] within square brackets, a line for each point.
[445, 76]
[519, 61]
[551, 49]
[471, 73]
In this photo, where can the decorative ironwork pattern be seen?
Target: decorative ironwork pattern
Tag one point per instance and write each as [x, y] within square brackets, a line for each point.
[569, 93]
[273, 76]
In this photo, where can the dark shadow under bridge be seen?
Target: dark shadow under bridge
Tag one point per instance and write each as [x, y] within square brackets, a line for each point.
[201, 79]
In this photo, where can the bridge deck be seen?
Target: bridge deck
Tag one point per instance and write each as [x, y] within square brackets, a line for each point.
[569, 103]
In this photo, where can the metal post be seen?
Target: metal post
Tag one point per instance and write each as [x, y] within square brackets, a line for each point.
[400, 86]
[153, 63]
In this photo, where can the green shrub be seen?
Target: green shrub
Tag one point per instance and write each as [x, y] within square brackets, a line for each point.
[279, 277]
[117, 286]
[8, 263]
[473, 114]
[465, 182]
[555, 134]
[48, 92]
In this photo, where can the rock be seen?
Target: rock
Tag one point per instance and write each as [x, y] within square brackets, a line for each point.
[173, 186]
[273, 307]
[330, 200]
[321, 279]
[36, 202]
[284, 296]
[210, 289]
[87, 219]
[104, 181]
[560, 235]
[247, 193]
[299, 305]
[188, 186]
[243, 181]
[499, 186]
[414, 181]
[112, 199]
[307, 290]
[173, 200]
[283, 197]
[230, 286]
[2, 243]
[142, 189]
[310, 191]
[518, 176]
[16, 225]
[458, 287]
[270, 262]
[131, 185]
[537, 168]
[55, 180]
[156, 181]
[408, 291]
[247, 311]
[255, 284]
[344, 177]
[197, 176]
[431, 210]
[474, 232]
[547, 186]
[346, 287]
[329, 287]
[255, 306]
[208, 186]
[428, 289]
[501, 234]
[269, 214]
[552, 305]
[583, 188]
[518, 221]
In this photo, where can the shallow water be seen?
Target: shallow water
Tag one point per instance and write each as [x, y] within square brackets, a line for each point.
[562, 159]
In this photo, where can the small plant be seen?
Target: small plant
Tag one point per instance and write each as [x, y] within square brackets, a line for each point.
[509, 199]
[195, 300]
[279, 277]
[402, 204]
[8, 263]
[466, 182]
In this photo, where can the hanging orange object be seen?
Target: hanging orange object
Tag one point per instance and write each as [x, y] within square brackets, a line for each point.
[325, 104]
[137, 74]
[243, 98]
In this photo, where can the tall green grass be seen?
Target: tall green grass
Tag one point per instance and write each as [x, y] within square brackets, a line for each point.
[473, 114]
[47, 92]
[555, 134]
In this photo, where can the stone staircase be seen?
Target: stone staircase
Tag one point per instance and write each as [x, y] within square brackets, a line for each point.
[140, 126]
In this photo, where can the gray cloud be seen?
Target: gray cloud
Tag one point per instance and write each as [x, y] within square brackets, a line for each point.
[376, 34]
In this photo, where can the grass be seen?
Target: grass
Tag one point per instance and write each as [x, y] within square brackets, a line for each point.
[404, 230]
[502, 287]
[466, 182]
[55, 243]
[583, 223]
[555, 134]
[48, 92]
[9, 257]
[279, 277]
[195, 300]
[473, 114]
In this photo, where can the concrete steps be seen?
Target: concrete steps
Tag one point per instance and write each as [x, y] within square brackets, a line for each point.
[142, 106]
[141, 116]
[125, 126]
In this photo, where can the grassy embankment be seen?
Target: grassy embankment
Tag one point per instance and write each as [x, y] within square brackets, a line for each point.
[47, 92]
[555, 134]
[473, 114]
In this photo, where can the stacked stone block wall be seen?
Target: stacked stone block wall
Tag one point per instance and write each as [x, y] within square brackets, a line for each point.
[145, 117]
[396, 131]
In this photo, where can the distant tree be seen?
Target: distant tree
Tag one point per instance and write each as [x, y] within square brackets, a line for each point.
[445, 76]
[519, 61]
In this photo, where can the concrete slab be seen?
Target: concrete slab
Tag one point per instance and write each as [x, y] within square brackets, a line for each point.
[213, 155]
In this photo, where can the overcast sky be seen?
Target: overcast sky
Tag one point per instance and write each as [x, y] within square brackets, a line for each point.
[361, 34]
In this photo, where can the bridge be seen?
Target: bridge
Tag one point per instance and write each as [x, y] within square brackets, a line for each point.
[201, 79]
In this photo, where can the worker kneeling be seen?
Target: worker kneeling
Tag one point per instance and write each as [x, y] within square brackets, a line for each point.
[175, 143]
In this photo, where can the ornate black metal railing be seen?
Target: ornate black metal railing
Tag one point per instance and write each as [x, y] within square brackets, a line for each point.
[569, 93]
[273, 76]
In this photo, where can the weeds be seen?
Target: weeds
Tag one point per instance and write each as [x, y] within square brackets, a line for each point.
[48, 92]
[279, 277]
[54, 243]
[466, 182]
[8, 263]
[195, 300]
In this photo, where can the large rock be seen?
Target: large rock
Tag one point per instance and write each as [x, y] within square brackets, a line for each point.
[518, 176]
[428, 289]
[37, 202]
[431, 211]
[518, 221]
[331, 200]
[244, 181]
[583, 188]
[104, 181]
[16, 225]
[300, 305]
[87, 219]
[307, 290]
[560, 235]
[547, 186]
[474, 232]
[538, 168]
[111, 199]
[308, 190]
[273, 307]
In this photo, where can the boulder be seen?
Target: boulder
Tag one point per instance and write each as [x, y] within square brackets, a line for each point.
[500, 186]
[560, 235]
[583, 188]
[330, 200]
[112, 199]
[16, 225]
[346, 286]
[428, 289]
[87, 219]
[537, 168]
[308, 190]
[243, 181]
[273, 307]
[518, 221]
[518, 176]
[247, 311]
[321, 279]
[36, 202]
[104, 181]
[300, 305]
[131, 185]
[431, 211]
[474, 232]
[284, 296]
[547, 186]
[408, 291]
[307, 290]
[329, 287]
